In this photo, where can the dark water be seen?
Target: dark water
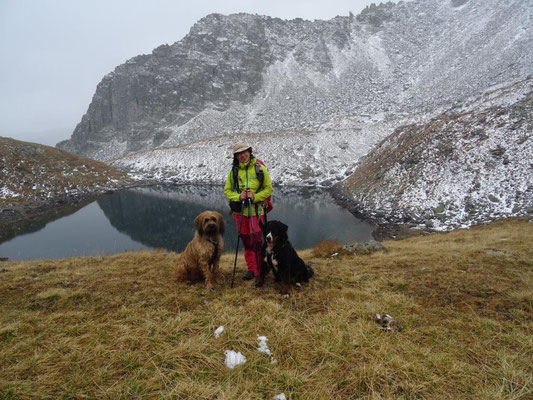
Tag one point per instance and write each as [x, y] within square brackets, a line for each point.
[162, 217]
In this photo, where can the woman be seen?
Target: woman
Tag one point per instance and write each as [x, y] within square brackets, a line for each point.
[247, 187]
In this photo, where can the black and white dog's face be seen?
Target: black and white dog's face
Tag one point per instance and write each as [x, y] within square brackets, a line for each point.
[275, 233]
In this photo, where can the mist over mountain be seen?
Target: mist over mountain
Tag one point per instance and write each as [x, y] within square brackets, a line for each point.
[256, 74]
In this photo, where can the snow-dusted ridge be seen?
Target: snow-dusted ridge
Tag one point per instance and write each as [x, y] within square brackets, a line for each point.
[295, 158]
[248, 73]
[471, 164]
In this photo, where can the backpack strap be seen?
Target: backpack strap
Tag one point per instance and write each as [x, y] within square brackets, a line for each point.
[259, 172]
[235, 172]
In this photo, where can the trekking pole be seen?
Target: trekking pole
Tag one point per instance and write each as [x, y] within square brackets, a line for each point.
[237, 247]
[251, 216]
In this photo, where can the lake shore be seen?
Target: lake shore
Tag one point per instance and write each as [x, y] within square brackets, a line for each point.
[31, 214]
[39, 180]
[161, 216]
[384, 229]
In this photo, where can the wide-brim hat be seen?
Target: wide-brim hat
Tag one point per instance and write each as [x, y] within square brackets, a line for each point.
[241, 146]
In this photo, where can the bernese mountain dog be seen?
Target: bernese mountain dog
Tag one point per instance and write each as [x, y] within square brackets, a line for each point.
[278, 255]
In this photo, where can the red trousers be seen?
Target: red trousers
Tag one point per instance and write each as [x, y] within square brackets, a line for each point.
[252, 240]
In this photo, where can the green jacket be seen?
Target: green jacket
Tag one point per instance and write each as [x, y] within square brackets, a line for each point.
[248, 179]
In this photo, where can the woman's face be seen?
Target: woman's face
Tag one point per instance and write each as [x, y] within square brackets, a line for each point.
[243, 156]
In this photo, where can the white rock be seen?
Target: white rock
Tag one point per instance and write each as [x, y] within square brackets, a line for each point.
[219, 331]
[234, 358]
[263, 347]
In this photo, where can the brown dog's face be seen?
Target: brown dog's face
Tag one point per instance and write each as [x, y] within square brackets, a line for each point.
[210, 222]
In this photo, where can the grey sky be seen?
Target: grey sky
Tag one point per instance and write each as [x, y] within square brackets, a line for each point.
[54, 52]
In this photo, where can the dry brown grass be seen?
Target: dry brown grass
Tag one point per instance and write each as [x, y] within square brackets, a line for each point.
[326, 248]
[35, 171]
[119, 328]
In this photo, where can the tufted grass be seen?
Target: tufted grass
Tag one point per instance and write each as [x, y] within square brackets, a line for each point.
[118, 327]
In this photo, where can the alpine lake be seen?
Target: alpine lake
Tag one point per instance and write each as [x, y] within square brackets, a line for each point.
[162, 217]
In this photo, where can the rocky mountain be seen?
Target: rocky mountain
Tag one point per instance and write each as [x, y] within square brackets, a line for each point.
[473, 163]
[469, 163]
[339, 84]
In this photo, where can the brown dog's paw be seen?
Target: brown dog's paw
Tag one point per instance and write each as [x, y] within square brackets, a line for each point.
[209, 284]
[180, 274]
[220, 278]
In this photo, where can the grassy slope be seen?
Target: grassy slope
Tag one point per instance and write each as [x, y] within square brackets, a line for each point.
[118, 327]
[33, 172]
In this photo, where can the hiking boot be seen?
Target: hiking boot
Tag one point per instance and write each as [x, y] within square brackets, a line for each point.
[249, 275]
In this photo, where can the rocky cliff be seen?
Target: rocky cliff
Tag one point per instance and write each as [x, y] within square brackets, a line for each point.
[256, 74]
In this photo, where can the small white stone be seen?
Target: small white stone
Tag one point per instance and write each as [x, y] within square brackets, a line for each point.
[219, 331]
[263, 347]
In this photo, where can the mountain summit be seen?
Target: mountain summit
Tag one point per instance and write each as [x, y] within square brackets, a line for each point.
[257, 74]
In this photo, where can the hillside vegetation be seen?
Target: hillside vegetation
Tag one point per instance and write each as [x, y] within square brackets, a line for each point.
[460, 168]
[119, 327]
[33, 175]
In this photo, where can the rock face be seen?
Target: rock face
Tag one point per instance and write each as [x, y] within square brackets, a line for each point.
[470, 164]
[256, 74]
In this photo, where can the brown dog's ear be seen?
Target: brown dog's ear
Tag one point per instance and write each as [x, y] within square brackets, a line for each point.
[221, 223]
[198, 223]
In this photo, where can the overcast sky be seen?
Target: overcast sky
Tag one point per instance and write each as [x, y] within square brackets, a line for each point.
[54, 52]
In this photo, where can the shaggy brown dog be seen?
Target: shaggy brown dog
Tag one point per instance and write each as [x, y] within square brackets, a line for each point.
[201, 257]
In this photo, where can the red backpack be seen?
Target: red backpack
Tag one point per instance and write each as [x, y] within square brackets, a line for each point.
[261, 176]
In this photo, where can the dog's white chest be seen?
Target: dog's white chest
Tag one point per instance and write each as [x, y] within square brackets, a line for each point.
[270, 257]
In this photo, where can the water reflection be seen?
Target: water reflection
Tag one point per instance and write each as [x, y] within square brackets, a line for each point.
[163, 217]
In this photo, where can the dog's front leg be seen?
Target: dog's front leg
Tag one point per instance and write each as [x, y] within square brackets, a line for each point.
[208, 275]
[277, 278]
[217, 274]
[285, 279]
[285, 289]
